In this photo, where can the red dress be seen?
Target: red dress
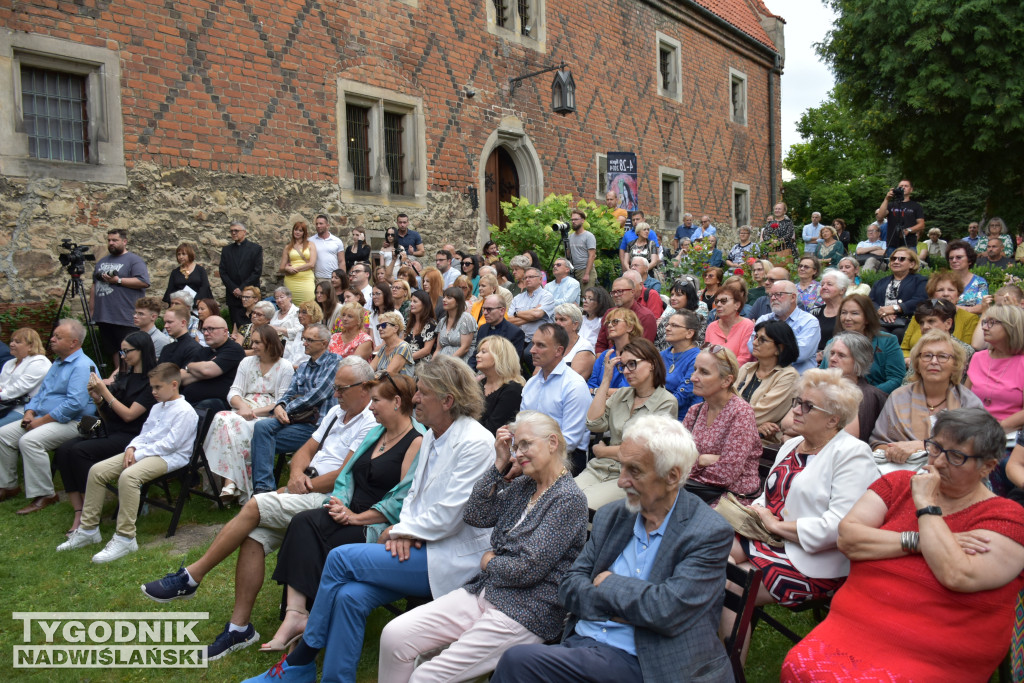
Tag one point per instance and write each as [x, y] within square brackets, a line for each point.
[893, 621]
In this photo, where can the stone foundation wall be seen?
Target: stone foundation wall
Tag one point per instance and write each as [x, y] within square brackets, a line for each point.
[161, 208]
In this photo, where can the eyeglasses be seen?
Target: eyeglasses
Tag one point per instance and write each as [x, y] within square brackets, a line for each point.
[387, 375]
[531, 277]
[307, 340]
[989, 322]
[620, 291]
[629, 365]
[211, 330]
[614, 321]
[953, 457]
[677, 326]
[805, 265]
[523, 445]
[724, 301]
[340, 388]
[807, 406]
[779, 295]
[899, 259]
[714, 348]
[467, 263]
[125, 352]
[941, 357]
[488, 309]
[247, 296]
[761, 339]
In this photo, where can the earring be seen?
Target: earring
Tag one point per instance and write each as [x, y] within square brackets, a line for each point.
[396, 408]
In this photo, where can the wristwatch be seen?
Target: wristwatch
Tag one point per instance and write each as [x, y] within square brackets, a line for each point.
[929, 510]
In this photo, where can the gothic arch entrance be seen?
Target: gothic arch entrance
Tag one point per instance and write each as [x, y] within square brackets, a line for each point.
[501, 183]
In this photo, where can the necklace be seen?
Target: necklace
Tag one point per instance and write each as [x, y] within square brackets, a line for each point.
[933, 408]
[384, 442]
[674, 357]
[532, 503]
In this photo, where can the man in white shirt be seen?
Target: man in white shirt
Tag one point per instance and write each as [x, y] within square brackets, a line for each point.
[564, 288]
[359, 275]
[330, 250]
[871, 251]
[559, 392]
[811, 232]
[259, 528]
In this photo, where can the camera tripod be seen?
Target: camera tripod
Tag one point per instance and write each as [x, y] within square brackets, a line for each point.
[74, 289]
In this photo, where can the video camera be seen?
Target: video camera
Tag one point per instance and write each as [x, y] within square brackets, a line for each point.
[74, 260]
[897, 194]
[562, 227]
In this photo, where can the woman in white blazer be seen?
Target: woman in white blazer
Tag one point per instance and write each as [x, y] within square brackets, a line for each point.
[21, 376]
[816, 479]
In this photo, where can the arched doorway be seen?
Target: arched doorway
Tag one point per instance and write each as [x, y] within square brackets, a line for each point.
[501, 183]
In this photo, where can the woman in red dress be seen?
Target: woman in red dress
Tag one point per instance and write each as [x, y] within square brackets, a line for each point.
[937, 562]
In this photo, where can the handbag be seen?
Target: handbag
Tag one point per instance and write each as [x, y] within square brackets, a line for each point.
[9, 404]
[90, 427]
[745, 521]
[709, 494]
[307, 416]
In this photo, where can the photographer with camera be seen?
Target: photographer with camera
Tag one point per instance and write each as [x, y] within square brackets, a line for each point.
[905, 216]
[582, 249]
[119, 280]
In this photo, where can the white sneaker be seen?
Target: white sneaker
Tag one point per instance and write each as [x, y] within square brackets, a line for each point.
[79, 539]
[115, 550]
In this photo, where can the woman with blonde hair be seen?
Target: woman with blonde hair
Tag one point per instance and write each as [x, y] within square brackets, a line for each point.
[400, 292]
[395, 354]
[850, 267]
[297, 262]
[22, 375]
[250, 295]
[623, 327]
[487, 286]
[996, 374]
[724, 429]
[580, 352]
[758, 272]
[353, 338]
[498, 362]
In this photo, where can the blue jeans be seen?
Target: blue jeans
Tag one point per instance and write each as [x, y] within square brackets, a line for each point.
[14, 416]
[270, 437]
[357, 579]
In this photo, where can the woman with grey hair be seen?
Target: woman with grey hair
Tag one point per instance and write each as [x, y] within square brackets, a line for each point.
[580, 356]
[395, 354]
[851, 268]
[852, 354]
[539, 520]
[834, 284]
[518, 266]
[816, 479]
[996, 228]
[937, 561]
[285, 320]
[261, 314]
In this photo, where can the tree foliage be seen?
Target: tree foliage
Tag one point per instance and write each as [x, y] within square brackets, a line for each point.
[838, 172]
[937, 84]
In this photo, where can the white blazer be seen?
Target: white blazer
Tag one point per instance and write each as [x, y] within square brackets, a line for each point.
[819, 498]
[432, 510]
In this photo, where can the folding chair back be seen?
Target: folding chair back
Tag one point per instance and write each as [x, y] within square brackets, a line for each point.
[742, 603]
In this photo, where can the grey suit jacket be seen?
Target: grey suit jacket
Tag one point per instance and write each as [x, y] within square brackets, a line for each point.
[676, 611]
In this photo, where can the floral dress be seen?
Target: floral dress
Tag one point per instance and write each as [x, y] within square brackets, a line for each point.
[418, 341]
[809, 297]
[781, 230]
[974, 292]
[343, 349]
[227, 443]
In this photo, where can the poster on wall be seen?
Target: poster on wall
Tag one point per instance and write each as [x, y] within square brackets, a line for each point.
[623, 181]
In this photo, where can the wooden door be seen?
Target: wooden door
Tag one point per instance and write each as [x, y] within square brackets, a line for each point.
[501, 183]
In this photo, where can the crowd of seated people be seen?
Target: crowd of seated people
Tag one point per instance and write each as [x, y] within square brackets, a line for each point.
[372, 390]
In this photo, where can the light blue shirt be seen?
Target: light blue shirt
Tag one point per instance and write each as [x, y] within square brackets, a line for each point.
[566, 292]
[563, 396]
[808, 334]
[524, 301]
[63, 395]
[700, 233]
[635, 561]
[810, 235]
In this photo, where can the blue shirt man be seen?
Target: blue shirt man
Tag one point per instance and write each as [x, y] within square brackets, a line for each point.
[811, 232]
[703, 230]
[558, 391]
[804, 325]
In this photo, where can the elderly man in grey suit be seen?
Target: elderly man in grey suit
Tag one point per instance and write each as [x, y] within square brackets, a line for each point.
[645, 595]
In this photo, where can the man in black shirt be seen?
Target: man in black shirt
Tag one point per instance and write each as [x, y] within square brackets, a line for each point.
[241, 265]
[906, 219]
[494, 314]
[183, 349]
[206, 382]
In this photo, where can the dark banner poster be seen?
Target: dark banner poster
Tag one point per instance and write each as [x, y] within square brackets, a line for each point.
[622, 179]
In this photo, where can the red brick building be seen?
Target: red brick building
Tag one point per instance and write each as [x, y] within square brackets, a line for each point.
[174, 118]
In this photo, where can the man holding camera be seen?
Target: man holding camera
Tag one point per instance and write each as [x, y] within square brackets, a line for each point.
[905, 217]
[582, 249]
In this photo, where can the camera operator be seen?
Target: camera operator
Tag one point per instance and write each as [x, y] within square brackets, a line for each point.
[582, 249]
[119, 280]
[906, 217]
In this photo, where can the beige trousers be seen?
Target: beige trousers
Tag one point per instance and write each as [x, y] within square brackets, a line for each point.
[600, 482]
[129, 490]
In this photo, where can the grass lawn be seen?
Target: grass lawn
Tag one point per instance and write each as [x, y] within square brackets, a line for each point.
[37, 579]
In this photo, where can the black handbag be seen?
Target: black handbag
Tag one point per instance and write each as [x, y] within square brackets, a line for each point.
[90, 427]
[9, 404]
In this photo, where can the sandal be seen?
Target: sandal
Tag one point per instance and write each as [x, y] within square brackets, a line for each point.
[275, 645]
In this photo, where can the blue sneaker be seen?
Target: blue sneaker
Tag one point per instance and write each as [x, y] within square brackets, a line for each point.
[283, 672]
[229, 641]
[174, 586]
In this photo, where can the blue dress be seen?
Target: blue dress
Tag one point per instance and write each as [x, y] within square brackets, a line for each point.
[974, 292]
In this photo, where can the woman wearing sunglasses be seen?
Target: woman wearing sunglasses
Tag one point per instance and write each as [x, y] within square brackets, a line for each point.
[816, 479]
[937, 563]
[471, 269]
[896, 296]
[645, 394]
[623, 327]
[395, 354]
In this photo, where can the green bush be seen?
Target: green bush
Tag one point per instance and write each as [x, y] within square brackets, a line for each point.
[529, 227]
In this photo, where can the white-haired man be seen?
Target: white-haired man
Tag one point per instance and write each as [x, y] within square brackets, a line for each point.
[645, 595]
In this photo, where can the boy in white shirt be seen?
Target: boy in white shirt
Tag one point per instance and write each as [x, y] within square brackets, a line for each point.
[164, 445]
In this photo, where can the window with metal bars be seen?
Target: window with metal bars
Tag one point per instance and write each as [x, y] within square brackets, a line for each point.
[501, 13]
[524, 17]
[55, 112]
[670, 200]
[357, 121]
[665, 66]
[394, 159]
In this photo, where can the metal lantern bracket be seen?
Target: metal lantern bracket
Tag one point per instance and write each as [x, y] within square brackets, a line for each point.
[514, 83]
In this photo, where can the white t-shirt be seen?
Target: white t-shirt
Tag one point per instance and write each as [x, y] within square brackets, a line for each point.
[344, 437]
[327, 250]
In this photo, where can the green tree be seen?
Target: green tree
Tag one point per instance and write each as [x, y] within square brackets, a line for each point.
[838, 172]
[936, 84]
[529, 227]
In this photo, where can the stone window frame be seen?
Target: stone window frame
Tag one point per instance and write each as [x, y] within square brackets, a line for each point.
[102, 70]
[535, 39]
[675, 176]
[740, 190]
[674, 48]
[738, 78]
[601, 175]
[414, 146]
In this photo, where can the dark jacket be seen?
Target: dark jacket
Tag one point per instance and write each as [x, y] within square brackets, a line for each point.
[503, 329]
[241, 266]
[912, 292]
